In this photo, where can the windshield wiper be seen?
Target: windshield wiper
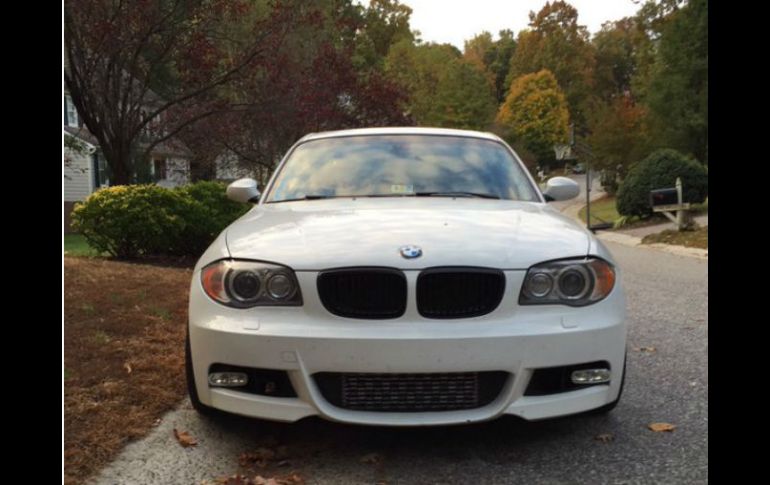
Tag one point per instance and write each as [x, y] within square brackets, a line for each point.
[456, 194]
[306, 197]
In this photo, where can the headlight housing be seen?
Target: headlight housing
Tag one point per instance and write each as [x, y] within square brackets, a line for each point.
[246, 284]
[573, 282]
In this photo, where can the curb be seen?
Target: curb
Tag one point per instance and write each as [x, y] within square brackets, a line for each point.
[668, 248]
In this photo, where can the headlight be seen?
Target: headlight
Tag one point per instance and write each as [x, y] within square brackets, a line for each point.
[574, 282]
[245, 284]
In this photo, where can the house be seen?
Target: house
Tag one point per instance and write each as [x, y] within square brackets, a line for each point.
[85, 169]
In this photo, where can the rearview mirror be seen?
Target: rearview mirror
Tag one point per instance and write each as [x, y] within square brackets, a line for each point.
[561, 188]
[244, 191]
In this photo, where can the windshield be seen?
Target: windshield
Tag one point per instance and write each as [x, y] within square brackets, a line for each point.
[401, 165]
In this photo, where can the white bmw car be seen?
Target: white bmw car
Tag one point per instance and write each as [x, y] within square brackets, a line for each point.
[405, 276]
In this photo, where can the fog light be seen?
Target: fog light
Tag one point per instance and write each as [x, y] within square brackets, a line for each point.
[590, 376]
[228, 379]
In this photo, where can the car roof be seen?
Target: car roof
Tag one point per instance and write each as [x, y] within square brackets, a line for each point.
[402, 130]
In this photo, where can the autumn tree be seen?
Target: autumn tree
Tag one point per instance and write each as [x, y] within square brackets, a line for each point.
[556, 42]
[619, 133]
[314, 81]
[494, 56]
[122, 58]
[444, 89]
[535, 114]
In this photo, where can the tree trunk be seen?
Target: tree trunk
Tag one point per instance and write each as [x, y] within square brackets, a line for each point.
[119, 162]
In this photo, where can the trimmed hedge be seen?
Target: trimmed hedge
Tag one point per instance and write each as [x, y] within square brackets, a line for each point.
[659, 171]
[130, 221]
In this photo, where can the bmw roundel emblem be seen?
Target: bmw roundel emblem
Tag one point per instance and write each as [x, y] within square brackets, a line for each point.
[410, 252]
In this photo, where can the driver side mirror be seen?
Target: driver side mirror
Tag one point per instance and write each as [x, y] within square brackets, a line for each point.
[244, 191]
[561, 188]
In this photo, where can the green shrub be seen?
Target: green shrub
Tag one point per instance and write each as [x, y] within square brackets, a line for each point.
[207, 213]
[609, 181]
[658, 171]
[143, 220]
[131, 220]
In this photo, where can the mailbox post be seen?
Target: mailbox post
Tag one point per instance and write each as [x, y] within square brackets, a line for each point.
[669, 200]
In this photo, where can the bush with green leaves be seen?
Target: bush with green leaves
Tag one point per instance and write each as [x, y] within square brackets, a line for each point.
[130, 221]
[659, 171]
[207, 213]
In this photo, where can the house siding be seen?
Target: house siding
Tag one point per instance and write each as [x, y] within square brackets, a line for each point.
[78, 177]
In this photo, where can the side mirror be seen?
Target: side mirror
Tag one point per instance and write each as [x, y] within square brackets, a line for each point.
[561, 188]
[244, 191]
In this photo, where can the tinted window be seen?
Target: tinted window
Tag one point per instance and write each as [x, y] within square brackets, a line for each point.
[400, 165]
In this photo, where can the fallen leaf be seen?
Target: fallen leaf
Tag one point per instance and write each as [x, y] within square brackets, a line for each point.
[658, 427]
[128, 368]
[184, 438]
[157, 422]
[292, 478]
[259, 457]
[258, 480]
[372, 459]
[604, 437]
[644, 349]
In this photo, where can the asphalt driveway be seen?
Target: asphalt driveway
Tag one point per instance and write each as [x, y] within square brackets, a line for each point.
[668, 311]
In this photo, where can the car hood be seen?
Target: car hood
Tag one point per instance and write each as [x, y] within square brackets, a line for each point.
[321, 234]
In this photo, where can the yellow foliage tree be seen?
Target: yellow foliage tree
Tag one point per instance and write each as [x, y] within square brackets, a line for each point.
[535, 114]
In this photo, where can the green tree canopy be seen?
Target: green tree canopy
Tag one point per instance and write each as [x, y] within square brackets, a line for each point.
[677, 93]
[445, 89]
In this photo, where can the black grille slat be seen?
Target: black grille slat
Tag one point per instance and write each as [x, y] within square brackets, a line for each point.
[411, 392]
[371, 293]
[459, 292]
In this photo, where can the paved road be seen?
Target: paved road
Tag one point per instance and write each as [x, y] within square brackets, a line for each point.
[667, 303]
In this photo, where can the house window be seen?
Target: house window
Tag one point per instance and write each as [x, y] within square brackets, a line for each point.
[159, 164]
[70, 113]
[100, 172]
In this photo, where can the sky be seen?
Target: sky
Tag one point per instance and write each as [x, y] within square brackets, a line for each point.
[455, 21]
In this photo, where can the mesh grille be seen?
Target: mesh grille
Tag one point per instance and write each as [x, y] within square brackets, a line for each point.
[410, 392]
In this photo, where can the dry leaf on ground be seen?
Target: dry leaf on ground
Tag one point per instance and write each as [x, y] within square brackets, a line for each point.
[128, 368]
[260, 457]
[372, 459]
[184, 438]
[604, 437]
[658, 427]
[645, 349]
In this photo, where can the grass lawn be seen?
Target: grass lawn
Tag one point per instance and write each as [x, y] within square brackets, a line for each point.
[76, 245]
[693, 239]
[602, 210]
[124, 330]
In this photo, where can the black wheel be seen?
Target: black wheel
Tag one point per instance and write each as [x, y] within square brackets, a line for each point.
[191, 389]
[610, 406]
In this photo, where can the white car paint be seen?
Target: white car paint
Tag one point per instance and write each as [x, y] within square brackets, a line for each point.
[310, 236]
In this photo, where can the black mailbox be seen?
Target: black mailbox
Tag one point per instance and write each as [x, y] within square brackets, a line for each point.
[663, 197]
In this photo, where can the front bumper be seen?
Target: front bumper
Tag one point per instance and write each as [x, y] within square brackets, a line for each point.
[306, 340]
